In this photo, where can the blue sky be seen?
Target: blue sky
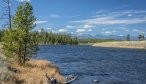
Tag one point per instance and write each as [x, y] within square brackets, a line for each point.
[107, 17]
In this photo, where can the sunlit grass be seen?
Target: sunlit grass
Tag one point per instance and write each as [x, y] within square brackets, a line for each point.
[35, 72]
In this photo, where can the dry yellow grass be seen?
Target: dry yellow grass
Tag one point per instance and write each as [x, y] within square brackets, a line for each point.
[123, 44]
[36, 72]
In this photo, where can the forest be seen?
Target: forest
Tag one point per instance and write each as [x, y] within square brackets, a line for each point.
[49, 38]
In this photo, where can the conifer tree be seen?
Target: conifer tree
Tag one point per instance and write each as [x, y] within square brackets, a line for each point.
[19, 42]
[128, 37]
[141, 37]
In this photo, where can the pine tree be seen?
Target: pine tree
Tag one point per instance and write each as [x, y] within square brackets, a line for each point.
[8, 46]
[19, 42]
[128, 37]
[141, 37]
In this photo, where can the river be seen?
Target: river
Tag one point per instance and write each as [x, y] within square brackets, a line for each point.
[107, 65]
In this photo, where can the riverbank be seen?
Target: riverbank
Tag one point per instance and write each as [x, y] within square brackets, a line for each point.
[33, 72]
[37, 72]
[123, 44]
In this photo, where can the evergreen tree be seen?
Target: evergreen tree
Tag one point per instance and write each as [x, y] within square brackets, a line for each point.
[1, 34]
[19, 42]
[9, 46]
[128, 37]
[140, 37]
[143, 37]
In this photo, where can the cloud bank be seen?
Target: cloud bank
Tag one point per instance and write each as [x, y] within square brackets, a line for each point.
[113, 18]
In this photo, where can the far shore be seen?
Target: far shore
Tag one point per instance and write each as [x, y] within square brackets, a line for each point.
[123, 44]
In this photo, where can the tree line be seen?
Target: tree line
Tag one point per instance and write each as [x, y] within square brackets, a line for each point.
[140, 37]
[45, 38]
[49, 38]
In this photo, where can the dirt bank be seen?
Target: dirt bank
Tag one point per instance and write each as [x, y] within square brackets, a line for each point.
[123, 44]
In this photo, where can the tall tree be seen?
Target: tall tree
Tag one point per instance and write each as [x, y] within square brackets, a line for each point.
[20, 35]
[140, 37]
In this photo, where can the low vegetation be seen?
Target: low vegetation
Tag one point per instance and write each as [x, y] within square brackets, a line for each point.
[36, 72]
[96, 40]
[6, 76]
[123, 44]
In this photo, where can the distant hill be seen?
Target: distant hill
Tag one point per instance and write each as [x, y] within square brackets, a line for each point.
[100, 36]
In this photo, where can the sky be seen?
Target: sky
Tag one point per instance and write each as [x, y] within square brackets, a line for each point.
[105, 17]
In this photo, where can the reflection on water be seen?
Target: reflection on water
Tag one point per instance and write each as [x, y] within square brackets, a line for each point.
[108, 65]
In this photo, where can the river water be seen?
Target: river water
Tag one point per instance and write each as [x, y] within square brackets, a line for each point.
[107, 65]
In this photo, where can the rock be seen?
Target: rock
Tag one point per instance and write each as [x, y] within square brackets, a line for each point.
[95, 80]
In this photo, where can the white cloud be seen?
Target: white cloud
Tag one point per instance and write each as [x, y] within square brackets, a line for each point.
[129, 15]
[53, 31]
[138, 31]
[70, 26]
[54, 16]
[121, 13]
[114, 18]
[24, 0]
[39, 30]
[40, 22]
[81, 30]
[112, 21]
[62, 30]
[88, 26]
[121, 35]
[107, 32]
[90, 30]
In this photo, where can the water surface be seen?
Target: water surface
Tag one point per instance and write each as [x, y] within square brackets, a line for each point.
[108, 65]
